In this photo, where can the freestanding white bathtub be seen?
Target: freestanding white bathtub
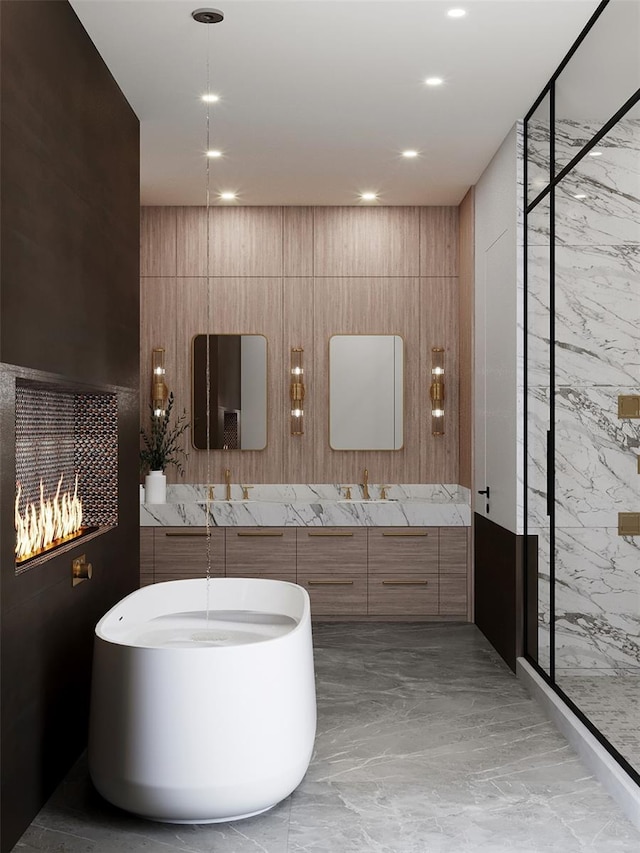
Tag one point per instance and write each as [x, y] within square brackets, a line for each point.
[195, 720]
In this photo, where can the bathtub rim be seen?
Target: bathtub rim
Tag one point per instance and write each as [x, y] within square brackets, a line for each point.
[300, 623]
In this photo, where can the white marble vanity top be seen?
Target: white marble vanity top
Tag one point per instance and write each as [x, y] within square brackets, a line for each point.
[324, 505]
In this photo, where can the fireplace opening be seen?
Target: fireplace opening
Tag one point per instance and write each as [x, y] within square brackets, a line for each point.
[66, 469]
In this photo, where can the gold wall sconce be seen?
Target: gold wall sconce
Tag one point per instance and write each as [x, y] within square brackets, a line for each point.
[159, 390]
[297, 391]
[436, 391]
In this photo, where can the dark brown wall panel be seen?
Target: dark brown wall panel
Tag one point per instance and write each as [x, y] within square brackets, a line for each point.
[70, 201]
[498, 578]
[69, 306]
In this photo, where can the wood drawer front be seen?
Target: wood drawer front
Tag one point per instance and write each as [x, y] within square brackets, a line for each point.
[453, 595]
[339, 594]
[331, 550]
[453, 550]
[181, 552]
[146, 555]
[403, 594]
[403, 549]
[256, 552]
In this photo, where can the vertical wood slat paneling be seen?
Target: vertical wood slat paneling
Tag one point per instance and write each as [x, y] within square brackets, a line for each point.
[191, 241]
[158, 329]
[465, 326]
[354, 241]
[158, 241]
[297, 241]
[438, 241]
[245, 241]
[191, 320]
[366, 306]
[299, 451]
[439, 310]
[236, 306]
[424, 311]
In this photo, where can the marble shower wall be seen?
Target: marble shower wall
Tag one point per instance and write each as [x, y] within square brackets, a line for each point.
[597, 333]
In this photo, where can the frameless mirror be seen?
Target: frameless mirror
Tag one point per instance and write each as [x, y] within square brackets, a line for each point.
[366, 392]
[237, 392]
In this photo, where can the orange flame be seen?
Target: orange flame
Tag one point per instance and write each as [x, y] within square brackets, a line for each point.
[43, 526]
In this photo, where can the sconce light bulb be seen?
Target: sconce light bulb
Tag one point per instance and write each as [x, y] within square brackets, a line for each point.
[437, 371]
[297, 371]
[158, 412]
[296, 413]
[159, 371]
[437, 413]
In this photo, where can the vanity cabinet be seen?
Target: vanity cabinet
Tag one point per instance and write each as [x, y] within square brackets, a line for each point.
[332, 567]
[453, 570]
[375, 572]
[182, 552]
[146, 555]
[261, 552]
[403, 571]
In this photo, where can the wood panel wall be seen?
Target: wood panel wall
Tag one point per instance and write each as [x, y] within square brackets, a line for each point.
[300, 275]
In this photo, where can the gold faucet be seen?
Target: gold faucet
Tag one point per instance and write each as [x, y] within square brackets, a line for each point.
[365, 485]
[227, 480]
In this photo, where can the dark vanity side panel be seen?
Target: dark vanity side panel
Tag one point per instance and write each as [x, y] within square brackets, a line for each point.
[498, 582]
[69, 306]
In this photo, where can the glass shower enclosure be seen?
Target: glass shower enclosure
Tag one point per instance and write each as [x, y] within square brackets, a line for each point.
[582, 380]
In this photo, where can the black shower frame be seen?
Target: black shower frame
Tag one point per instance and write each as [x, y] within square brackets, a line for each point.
[549, 190]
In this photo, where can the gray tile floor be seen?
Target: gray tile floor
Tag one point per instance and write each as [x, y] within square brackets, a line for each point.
[426, 744]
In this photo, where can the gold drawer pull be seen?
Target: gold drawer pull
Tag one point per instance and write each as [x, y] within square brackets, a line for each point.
[405, 583]
[260, 533]
[405, 533]
[187, 533]
[330, 583]
[327, 533]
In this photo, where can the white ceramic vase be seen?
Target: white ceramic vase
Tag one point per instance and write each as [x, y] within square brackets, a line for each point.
[155, 488]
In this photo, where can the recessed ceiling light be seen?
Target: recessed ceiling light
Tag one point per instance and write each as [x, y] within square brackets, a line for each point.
[580, 195]
[368, 196]
[227, 196]
[214, 153]
[595, 153]
[434, 81]
[410, 153]
[210, 98]
[456, 13]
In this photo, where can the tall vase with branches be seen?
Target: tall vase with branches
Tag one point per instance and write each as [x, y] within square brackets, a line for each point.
[162, 445]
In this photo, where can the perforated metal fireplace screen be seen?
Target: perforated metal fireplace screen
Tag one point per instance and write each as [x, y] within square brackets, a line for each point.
[59, 432]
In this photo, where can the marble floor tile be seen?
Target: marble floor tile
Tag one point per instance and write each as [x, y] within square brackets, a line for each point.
[426, 743]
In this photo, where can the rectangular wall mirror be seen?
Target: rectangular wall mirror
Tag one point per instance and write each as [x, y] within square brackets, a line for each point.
[366, 392]
[237, 392]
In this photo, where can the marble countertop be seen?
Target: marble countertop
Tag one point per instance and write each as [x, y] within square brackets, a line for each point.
[324, 505]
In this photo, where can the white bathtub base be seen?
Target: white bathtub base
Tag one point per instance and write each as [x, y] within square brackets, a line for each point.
[212, 820]
[203, 734]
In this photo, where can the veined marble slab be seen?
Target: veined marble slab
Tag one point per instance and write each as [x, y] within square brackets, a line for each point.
[302, 505]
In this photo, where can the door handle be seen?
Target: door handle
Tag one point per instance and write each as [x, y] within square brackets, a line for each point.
[487, 493]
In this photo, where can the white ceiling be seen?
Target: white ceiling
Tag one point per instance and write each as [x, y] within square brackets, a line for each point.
[319, 97]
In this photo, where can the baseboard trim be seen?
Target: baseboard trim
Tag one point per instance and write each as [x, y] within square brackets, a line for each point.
[603, 766]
